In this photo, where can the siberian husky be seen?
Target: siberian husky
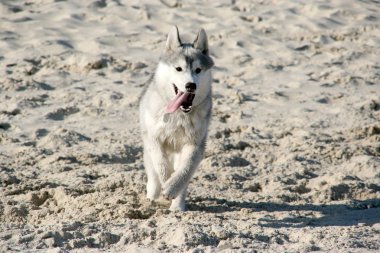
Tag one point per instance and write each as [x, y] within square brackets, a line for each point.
[175, 111]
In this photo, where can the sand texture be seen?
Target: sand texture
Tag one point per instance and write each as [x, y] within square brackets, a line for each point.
[293, 154]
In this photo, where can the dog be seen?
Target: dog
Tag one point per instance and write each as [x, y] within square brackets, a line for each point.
[175, 112]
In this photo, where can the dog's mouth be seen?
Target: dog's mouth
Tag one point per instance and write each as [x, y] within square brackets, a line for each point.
[182, 100]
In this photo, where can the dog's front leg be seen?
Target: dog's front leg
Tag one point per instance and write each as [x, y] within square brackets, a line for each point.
[191, 156]
[156, 165]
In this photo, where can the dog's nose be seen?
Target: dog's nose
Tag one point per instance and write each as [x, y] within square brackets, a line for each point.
[191, 87]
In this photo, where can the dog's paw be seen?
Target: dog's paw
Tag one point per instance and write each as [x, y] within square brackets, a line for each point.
[153, 195]
[169, 192]
[153, 190]
[168, 195]
[177, 207]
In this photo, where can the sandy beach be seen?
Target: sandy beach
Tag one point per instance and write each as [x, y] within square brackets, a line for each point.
[293, 155]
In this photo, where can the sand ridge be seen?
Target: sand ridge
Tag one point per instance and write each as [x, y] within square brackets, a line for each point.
[293, 156]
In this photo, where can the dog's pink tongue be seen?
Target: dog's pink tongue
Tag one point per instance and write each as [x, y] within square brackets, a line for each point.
[176, 102]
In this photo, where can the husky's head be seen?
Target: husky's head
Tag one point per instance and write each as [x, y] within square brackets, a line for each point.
[183, 73]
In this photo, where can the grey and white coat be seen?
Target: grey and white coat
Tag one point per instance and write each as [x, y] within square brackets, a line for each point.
[175, 112]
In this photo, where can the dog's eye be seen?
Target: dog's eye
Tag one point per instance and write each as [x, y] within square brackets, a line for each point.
[198, 70]
[179, 69]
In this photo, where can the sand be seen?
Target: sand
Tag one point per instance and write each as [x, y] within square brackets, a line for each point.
[293, 155]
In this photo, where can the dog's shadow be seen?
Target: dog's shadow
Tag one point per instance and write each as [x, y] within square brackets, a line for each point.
[358, 212]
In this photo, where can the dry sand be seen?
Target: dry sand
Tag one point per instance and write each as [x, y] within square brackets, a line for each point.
[293, 158]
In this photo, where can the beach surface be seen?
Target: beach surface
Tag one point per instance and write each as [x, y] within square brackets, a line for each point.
[293, 154]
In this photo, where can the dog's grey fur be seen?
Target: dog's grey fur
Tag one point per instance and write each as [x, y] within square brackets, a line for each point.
[174, 143]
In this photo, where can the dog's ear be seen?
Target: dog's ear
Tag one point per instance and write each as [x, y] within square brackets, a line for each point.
[200, 41]
[173, 40]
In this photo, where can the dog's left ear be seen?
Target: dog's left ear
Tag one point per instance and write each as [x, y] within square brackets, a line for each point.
[200, 41]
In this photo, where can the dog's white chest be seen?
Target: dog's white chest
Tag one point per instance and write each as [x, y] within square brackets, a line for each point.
[176, 130]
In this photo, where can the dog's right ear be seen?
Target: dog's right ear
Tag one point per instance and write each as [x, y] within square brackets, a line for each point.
[173, 40]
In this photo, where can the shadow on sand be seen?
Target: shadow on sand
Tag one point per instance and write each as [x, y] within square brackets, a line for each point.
[355, 213]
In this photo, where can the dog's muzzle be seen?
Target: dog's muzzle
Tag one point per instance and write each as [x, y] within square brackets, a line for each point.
[188, 103]
[186, 97]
